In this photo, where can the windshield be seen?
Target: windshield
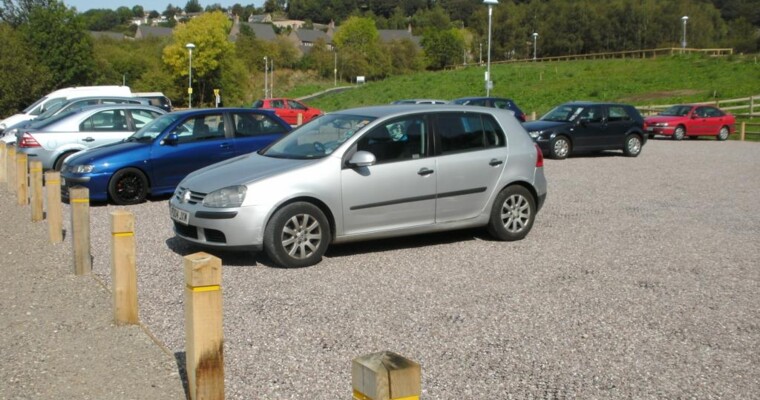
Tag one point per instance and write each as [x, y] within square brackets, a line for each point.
[50, 111]
[42, 123]
[35, 104]
[318, 138]
[676, 111]
[563, 113]
[153, 128]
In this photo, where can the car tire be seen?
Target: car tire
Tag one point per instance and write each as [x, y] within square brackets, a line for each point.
[632, 145]
[297, 235]
[59, 161]
[128, 186]
[651, 135]
[723, 133]
[512, 214]
[679, 133]
[559, 148]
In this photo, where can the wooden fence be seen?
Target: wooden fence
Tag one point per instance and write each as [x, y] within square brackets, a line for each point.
[745, 107]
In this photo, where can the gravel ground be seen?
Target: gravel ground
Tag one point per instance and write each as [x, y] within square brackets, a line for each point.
[639, 280]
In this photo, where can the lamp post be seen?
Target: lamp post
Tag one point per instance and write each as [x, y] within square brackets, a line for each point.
[489, 83]
[535, 37]
[190, 48]
[335, 67]
[683, 39]
[266, 80]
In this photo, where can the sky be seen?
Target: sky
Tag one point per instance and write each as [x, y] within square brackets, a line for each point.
[84, 5]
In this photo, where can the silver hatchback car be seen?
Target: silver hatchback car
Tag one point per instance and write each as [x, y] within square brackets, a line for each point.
[367, 173]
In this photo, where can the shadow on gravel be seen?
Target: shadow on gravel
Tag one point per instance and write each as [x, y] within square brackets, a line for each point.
[229, 258]
[181, 360]
[407, 242]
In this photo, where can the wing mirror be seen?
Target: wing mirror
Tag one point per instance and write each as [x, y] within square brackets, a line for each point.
[362, 159]
[170, 139]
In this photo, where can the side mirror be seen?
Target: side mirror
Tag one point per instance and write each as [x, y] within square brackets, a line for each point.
[170, 139]
[582, 121]
[362, 159]
[694, 116]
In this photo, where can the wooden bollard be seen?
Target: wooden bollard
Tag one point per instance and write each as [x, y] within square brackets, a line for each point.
[385, 376]
[79, 197]
[3, 152]
[299, 120]
[204, 341]
[10, 167]
[123, 267]
[35, 178]
[22, 183]
[54, 214]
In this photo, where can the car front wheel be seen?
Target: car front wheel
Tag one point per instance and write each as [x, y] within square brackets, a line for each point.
[559, 148]
[723, 133]
[297, 235]
[512, 214]
[128, 186]
[632, 147]
[679, 133]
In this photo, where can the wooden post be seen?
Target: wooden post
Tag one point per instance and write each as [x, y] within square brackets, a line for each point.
[35, 176]
[123, 267]
[204, 351]
[751, 106]
[3, 152]
[10, 167]
[385, 376]
[22, 180]
[54, 212]
[743, 131]
[79, 197]
[533, 116]
[299, 121]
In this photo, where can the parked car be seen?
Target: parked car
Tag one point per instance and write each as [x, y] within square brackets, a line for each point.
[59, 96]
[691, 120]
[420, 101]
[289, 109]
[70, 104]
[52, 140]
[495, 102]
[154, 159]
[157, 99]
[367, 173]
[587, 126]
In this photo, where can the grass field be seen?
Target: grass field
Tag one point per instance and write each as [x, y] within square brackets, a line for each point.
[537, 86]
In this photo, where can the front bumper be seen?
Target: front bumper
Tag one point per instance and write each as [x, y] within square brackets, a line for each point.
[97, 184]
[660, 130]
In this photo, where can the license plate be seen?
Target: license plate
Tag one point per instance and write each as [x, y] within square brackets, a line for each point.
[650, 129]
[179, 215]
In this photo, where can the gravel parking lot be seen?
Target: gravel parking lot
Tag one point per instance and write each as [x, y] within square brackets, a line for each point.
[639, 280]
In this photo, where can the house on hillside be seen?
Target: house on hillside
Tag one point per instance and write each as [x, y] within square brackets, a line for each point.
[261, 31]
[304, 39]
[386, 35]
[111, 35]
[145, 31]
[260, 19]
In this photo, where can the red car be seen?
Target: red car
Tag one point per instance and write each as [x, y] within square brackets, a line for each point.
[288, 109]
[691, 120]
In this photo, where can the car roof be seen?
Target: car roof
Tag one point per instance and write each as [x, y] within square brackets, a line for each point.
[481, 98]
[391, 109]
[201, 111]
[594, 103]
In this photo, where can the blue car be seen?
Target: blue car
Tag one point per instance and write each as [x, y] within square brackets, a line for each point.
[494, 102]
[157, 157]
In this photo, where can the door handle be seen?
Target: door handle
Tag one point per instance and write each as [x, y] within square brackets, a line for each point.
[225, 145]
[424, 171]
[88, 139]
[494, 162]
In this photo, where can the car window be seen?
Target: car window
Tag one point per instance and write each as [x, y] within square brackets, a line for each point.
[277, 103]
[618, 113]
[296, 105]
[250, 124]
[503, 104]
[142, 117]
[203, 127]
[701, 112]
[258, 104]
[593, 114]
[400, 139]
[713, 112]
[676, 111]
[52, 103]
[466, 132]
[105, 121]
[318, 137]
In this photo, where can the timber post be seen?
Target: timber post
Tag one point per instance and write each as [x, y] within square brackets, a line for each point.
[22, 180]
[79, 197]
[35, 177]
[10, 167]
[385, 376]
[124, 267]
[54, 212]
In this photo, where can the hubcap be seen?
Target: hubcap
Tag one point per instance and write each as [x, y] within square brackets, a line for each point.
[634, 146]
[129, 187]
[515, 213]
[561, 147]
[301, 236]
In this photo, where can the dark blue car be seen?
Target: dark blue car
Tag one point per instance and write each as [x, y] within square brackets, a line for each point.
[157, 157]
[494, 102]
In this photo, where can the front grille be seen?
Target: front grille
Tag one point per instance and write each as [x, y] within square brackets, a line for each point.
[186, 230]
[195, 197]
[213, 235]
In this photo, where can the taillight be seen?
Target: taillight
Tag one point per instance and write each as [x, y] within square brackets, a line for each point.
[539, 156]
[28, 141]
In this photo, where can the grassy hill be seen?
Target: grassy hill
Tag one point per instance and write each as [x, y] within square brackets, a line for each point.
[538, 86]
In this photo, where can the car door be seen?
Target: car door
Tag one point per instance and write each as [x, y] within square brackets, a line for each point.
[619, 122]
[297, 108]
[282, 110]
[252, 131]
[590, 132]
[103, 127]
[714, 120]
[470, 158]
[398, 191]
[700, 123]
[201, 141]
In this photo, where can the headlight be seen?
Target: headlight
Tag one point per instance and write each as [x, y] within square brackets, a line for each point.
[232, 196]
[535, 134]
[2, 127]
[82, 169]
[661, 124]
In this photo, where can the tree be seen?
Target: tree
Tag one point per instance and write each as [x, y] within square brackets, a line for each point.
[193, 6]
[138, 11]
[443, 48]
[209, 34]
[21, 83]
[57, 35]
[358, 43]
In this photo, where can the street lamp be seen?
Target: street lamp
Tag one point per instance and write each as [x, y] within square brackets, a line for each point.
[535, 36]
[489, 82]
[190, 48]
[683, 40]
[266, 81]
[335, 67]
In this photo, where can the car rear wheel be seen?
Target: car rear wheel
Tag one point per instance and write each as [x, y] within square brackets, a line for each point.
[679, 133]
[128, 186]
[297, 235]
[512, 214]
[59, 162]
[632, 147]
[723, 133]
[559, 148]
